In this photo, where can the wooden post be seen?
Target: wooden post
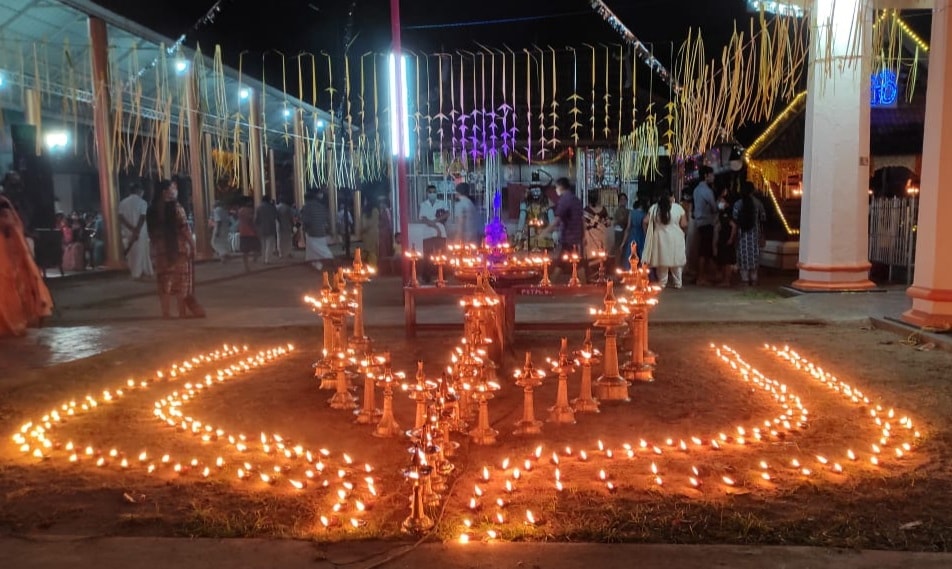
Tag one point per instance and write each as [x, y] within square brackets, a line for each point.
[102, 131]
[299, 157]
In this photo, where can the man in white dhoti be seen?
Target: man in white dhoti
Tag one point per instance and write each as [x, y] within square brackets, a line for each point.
[315, 219]
[135, 237]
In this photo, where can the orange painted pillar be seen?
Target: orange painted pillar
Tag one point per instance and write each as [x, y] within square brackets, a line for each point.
[931, 291]
[834, 230]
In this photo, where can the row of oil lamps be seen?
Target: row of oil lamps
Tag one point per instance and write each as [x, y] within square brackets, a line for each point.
[499, 260]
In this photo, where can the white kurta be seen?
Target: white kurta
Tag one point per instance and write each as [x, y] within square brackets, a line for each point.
[138, 259]
[664, 243]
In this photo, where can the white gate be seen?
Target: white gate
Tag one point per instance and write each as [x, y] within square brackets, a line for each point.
[892, 233]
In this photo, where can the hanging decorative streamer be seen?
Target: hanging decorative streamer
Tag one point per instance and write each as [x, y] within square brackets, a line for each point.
[418, 108]
[542, 109]
[574, 112]
[463, 115]
[474, 114]
[453, 112]
[641, 51]
[528, 104]
[591, 116]
[621, 87]
[482, 110]
[554, 106]
[440, 117]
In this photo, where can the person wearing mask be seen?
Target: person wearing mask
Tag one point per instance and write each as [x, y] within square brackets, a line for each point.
[568, 219]
[725, 241]
[433, 213]
[135, 237]
[664, 241]
[266, 226]
[705, 216]
[173, 252]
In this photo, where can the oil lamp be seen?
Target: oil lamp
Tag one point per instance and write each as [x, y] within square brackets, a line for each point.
[371, 367]
[387, 427]
[588, 355]
[413, 255]
[528, 378]
[359, 274]
[334, 307]
[418, 471]
[573, 258]
[611, 386]
[562, 412]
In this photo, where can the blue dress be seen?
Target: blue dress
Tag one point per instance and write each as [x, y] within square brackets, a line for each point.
[636, 234]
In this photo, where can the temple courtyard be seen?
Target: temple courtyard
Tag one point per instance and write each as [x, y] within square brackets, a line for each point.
[772, 420]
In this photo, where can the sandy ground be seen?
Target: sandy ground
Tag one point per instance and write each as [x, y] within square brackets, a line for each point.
[900, 504]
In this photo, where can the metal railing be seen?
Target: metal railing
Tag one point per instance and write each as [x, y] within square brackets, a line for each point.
[892, 233]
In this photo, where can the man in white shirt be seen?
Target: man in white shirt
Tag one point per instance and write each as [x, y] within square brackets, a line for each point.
[433, 213]
[135, 236]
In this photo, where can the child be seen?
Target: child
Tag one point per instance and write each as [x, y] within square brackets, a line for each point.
[725, 238]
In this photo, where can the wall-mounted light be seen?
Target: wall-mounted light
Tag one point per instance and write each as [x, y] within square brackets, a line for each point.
[287, 113]
[181, 66]
[912, 188]
[244, 94]
[319, 124]
[398, 109]
[56, 140]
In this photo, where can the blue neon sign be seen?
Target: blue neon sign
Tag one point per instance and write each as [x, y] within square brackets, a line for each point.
[884, 89]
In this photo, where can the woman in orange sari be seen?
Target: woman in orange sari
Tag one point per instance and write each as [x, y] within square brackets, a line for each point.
[173, 252]
[24, 298]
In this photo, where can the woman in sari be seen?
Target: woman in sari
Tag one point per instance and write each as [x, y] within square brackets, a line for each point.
[173, 252]
[24, 298]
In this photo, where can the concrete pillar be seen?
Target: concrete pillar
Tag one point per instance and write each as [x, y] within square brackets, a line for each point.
[255, 149]
[931, 291]
[102, 130]
[834, 230]
[199, 209]
[299, 157]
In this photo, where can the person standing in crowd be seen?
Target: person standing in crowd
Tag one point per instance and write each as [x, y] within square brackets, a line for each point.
[24, 298]
[725, 241]
[433, 213]
[597, 224]
[316, 220]
[465, 216]
[221, 231]
[568, 219]
[664, 241]
[286, 214]
[74, 237]
[705, 216]
[634, 232]
[750, 216]
[248, 241]
[384, 228]
[135, 238]
[173, 252]
[619, 224]
[370, 236]
[266, 226]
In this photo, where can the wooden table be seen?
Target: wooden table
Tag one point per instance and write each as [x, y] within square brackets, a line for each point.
[509, 295]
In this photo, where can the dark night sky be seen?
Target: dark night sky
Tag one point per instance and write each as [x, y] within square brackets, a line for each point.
[292, 26]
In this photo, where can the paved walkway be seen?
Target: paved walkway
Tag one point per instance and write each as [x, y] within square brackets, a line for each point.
[103, 312]
[149, 553]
